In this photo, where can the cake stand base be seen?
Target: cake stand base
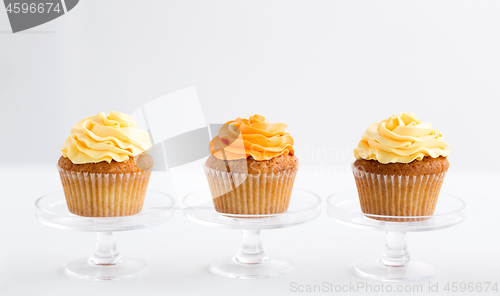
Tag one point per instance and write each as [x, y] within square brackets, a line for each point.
[106, 264]
[415, 270]
[127, 268]
[251, 262]
[268, 268]
[395, 264]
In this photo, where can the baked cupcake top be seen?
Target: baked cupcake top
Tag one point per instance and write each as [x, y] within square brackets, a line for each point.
[253, 137]
[401, 138]
[105, 138]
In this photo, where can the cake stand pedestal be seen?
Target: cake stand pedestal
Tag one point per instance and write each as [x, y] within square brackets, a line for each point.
[251, 262]
[395, 264]
[106, 263]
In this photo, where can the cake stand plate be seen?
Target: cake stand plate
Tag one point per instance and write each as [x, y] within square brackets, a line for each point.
[251, 262]
[396, 264]
[106, 263]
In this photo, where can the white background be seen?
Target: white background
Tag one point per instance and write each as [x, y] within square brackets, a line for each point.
[326, 68]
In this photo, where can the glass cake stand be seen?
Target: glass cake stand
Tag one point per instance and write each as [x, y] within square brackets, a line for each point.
[395, 264]
[251, 262]
[106, 263]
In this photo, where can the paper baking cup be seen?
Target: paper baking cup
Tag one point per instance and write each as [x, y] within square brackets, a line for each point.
[248, 194]
[104, 195]
[398, 195]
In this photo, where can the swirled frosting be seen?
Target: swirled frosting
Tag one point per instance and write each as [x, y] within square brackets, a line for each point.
[242, 138]
[105, 138]
[401, 138]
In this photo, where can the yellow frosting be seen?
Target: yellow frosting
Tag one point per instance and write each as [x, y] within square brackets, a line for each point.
[254, 137]
[105, 138]
[401, 138]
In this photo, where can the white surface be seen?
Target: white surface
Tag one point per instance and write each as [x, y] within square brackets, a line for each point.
[32, 255]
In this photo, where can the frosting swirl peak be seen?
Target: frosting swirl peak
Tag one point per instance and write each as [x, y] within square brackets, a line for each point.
[105, 138]
[401, 139]
[242, 138]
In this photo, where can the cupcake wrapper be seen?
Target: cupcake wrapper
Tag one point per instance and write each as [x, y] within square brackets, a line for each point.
[104, 195]
[247, 194]
[397, 195]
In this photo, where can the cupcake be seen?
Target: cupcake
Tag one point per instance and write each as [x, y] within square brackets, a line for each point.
[252, 167]
[400, 166]
[103, 168]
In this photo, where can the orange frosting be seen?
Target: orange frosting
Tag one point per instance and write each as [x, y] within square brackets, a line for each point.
[254, 137]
